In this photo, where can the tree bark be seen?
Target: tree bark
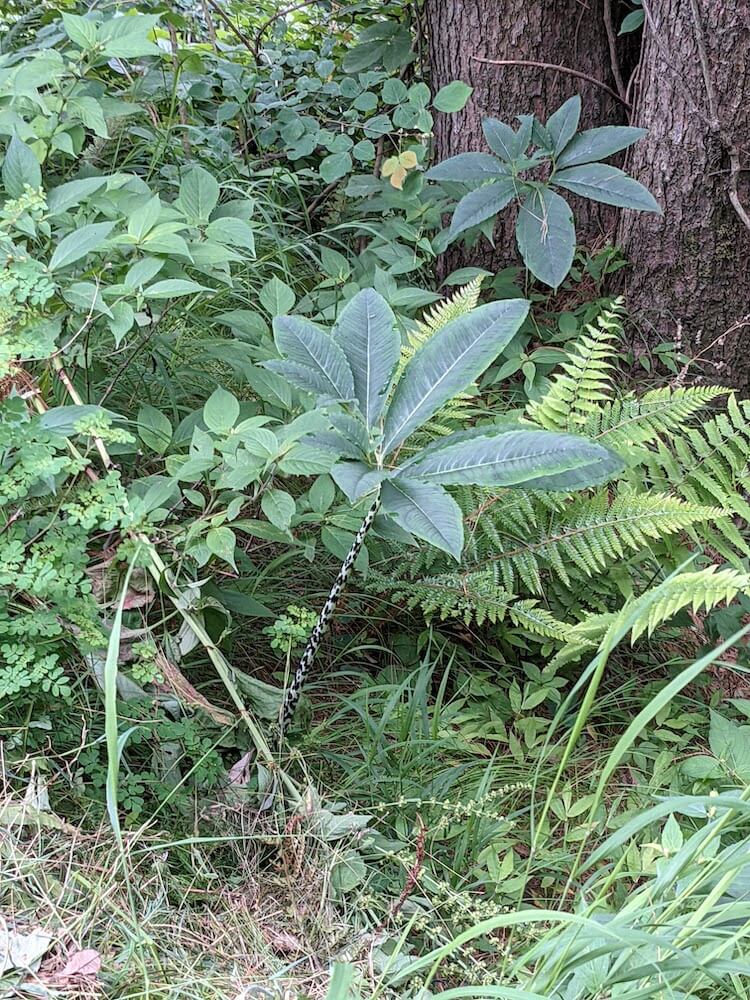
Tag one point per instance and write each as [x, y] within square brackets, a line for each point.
[566, 32]
[690, 275]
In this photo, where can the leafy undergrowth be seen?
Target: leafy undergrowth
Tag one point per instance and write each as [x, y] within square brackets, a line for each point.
[436, 855]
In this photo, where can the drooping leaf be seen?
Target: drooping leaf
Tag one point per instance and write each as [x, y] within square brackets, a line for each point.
[355, 479]
[599, 143]
[602, 182]
[199, 194]
[77, 244]
[220, 411]
[279, 507]
[277, 297]
[20, 167]
[425, 510]
[562, 125]
[221, 543]
[154, 429]
[538, 460]
[477, 206]
[447, 363]
[546, 236]
[366, 333]
[305, 344]
[452, 97]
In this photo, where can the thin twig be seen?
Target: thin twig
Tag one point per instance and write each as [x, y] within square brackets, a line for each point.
[267, 24]
[555, 67]
[700, 41]
[612, 42]
[321, 197]
[233, 28]
[734, 191]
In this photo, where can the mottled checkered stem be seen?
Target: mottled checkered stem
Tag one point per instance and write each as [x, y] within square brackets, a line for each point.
[294, 690]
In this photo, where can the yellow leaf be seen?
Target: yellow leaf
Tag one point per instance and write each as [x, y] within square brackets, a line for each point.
[408, 159]
[397, 177]
[389, 166]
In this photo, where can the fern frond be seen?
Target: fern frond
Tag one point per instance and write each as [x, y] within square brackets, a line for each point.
[582, 538]
[619, 423]
[699, 590]
[530, 616]
[473, 597]
[459, 304]
[709, 464]
[585, 381]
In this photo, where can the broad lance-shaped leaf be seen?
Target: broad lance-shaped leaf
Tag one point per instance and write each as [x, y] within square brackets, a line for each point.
[598, 144]
[562, 125]
[602, 182]
[538, 460]
[546, 236]
[477, 206]
[467, 168]
[355, 479]
[447, 363]
[366, 333]
[503, 140]
[307, 345]
[425, 510]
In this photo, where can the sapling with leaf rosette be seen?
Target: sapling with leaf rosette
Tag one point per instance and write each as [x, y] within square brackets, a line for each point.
[352, 371]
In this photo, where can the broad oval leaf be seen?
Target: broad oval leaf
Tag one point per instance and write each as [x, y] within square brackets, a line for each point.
[20, 167]
[79, 243]
[538, 460]
[72, 193]
[425, 510]
[599, 143]
[450, 361]
[546, 236]
[355, 479]
[366, 333]
[602, 182]
[199, 194]
[467, 168]
[477, 206]
[306, 344]
[562, 125]
[452, 97]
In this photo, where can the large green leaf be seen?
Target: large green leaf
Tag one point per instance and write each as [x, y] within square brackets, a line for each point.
[199, 194]
[477, 206]
[598, 143]
[307, 345]
[79, 243]
[562, 125]
[20, 167]
[355, 479]
[539, 460]
[450, 361]
[467, 168]
[366, 333]
[425, 510]
[546, 236]
[602, 182]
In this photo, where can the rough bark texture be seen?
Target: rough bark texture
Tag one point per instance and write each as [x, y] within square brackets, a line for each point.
[690, 280]
[566, 32]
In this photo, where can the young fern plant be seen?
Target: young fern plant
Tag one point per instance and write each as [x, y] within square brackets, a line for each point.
[372, 411]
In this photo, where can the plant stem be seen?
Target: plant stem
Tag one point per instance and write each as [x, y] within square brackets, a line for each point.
[294, 690]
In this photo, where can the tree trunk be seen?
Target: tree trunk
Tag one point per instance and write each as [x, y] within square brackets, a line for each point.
[690, 276]
[566, 32]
